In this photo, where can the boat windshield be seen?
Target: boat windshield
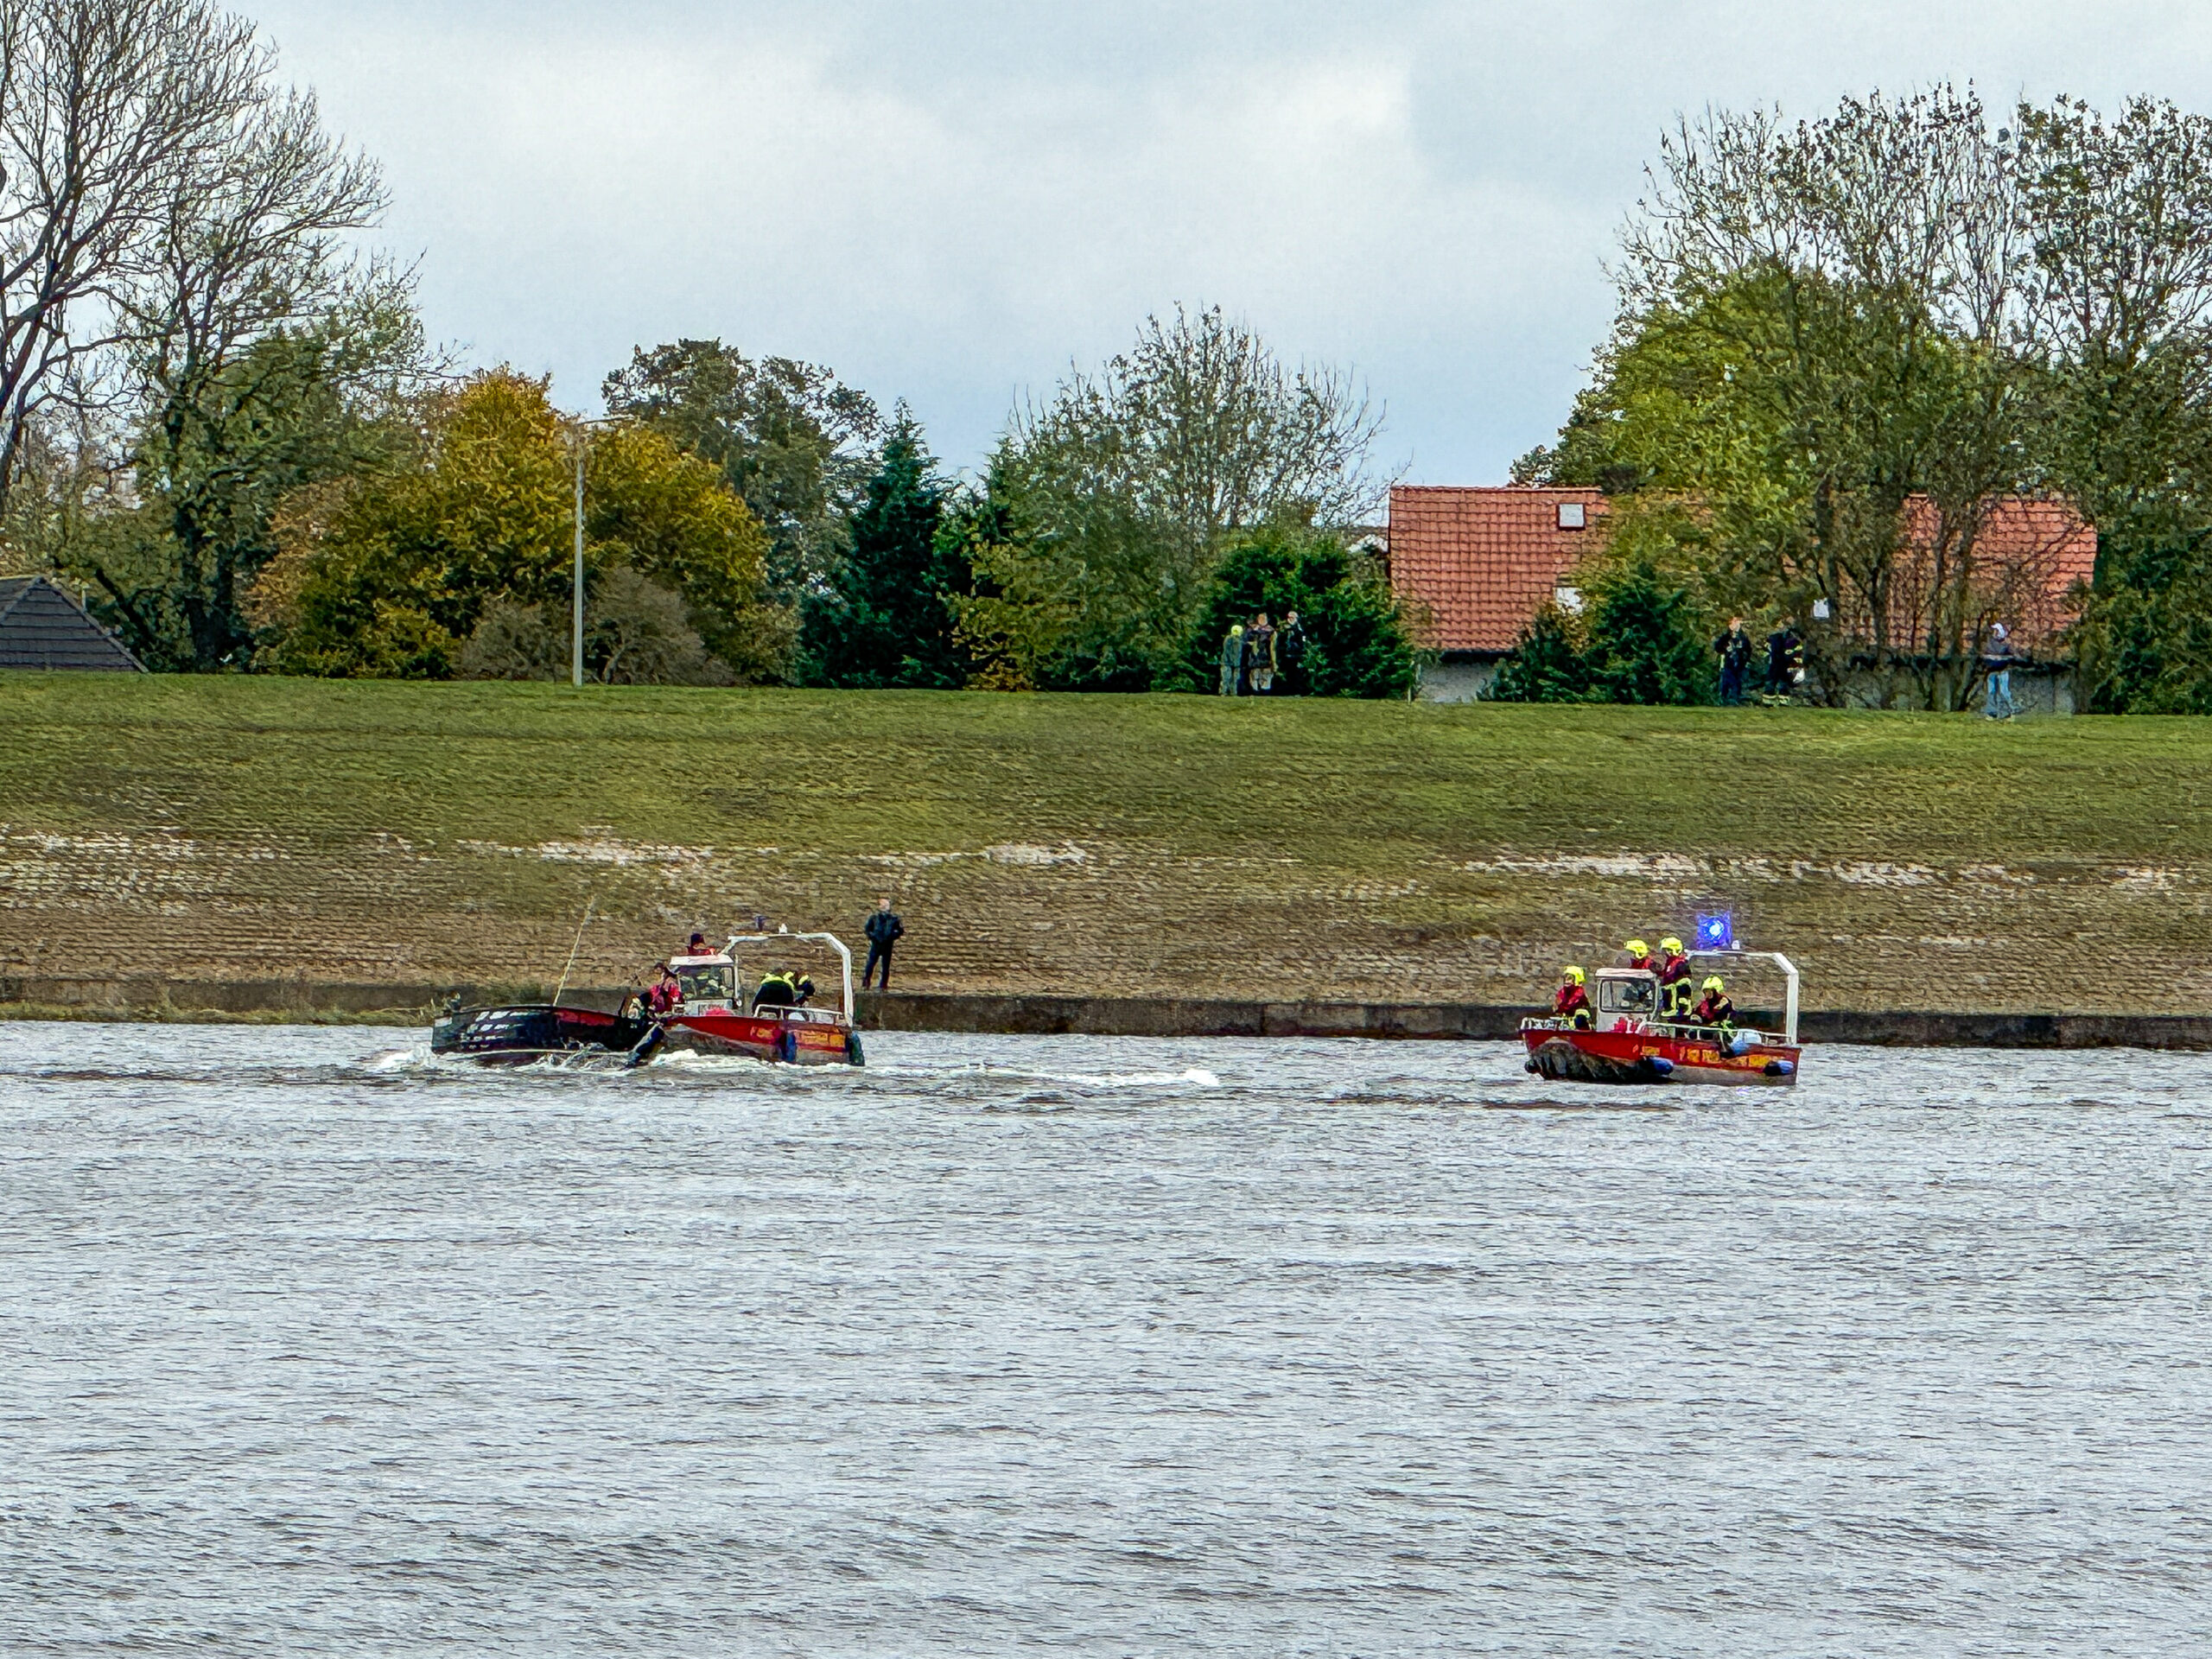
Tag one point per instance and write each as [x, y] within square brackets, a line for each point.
[713, 983]
[1638, 996]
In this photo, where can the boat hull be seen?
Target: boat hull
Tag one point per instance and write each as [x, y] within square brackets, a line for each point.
[765, 1037]
[525, 1033]
[1651, 1057]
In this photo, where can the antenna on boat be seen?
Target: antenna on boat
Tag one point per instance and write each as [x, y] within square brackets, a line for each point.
[573, 949]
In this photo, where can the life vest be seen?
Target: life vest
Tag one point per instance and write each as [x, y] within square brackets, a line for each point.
[1572, 1004]
[1675, 988]
[1715, 1010]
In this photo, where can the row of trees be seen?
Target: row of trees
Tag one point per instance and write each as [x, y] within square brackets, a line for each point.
[1907, 302]
[228, 427]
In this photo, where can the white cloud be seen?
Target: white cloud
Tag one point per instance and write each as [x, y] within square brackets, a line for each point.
[949, 203]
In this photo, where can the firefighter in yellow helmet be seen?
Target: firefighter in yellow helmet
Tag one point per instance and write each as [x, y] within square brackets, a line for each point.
[1673, 981]
[1571, 1002]
[1638, 953]
[1715, 1008]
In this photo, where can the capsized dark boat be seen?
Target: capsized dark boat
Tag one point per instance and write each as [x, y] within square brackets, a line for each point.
[520, 1033]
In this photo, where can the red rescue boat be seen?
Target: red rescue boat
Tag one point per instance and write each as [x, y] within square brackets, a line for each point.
[711, 1015]
[1628, 1042]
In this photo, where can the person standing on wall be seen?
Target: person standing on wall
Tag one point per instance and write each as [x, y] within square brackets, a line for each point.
[1735, 649]
[1290, 652]
[884, 930]
[1260, 656]
[1997, 657]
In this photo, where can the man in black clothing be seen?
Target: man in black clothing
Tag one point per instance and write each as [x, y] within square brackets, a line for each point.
[1290, 652]
[884, 931]
[1735, 650]
[1785, 655]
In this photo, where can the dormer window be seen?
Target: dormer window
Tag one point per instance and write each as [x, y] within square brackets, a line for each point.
[1572, 515]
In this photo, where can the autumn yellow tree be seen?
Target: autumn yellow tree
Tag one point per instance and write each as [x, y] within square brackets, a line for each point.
[391, 574]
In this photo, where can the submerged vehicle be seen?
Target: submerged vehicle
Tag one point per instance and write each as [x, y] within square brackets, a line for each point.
[1628, 1042]
[711, 1014]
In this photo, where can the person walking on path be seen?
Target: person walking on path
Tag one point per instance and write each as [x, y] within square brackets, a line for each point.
[1735, 649]
[1290, 652]
[884, 930]
[1997, 657]
[1232, 661]
[1260, 656]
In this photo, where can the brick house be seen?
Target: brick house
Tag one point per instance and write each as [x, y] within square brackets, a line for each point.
[1482, 560]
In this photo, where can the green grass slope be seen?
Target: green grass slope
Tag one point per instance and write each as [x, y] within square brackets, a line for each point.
[247, 828]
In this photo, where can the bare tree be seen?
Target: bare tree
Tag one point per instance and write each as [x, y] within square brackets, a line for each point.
[1127, 480]
[245, 310]
[106, 107]
[1899, 354]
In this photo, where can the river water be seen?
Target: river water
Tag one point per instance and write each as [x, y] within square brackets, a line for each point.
[312, 1346]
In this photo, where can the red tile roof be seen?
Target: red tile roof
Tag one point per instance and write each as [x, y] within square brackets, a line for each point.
[2030, 555]
[1484, 560]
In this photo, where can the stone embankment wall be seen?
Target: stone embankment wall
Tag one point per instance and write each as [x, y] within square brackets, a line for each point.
[413, 1005]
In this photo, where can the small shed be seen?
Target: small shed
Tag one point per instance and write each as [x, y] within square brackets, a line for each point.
[41, 627]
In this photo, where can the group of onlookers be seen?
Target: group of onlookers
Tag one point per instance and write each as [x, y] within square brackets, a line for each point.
[1785, 666]
[1253, 653]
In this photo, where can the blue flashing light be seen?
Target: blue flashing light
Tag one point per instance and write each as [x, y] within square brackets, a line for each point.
[1716, 932]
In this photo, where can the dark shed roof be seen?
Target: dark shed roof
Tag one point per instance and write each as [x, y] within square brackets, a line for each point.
[41, 627]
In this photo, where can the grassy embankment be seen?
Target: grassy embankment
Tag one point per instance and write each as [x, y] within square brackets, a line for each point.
[250, 829]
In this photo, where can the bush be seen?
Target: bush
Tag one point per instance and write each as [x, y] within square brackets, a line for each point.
[635, 633]
[1644, 643]
[1358, 642]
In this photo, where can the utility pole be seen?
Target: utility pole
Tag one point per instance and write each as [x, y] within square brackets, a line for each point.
[576, 638]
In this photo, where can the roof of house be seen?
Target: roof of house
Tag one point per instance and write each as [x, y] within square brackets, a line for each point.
[41, 627]
[1484, 560]
[2030, 554]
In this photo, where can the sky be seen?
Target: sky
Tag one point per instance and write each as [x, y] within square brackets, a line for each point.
[950, 204]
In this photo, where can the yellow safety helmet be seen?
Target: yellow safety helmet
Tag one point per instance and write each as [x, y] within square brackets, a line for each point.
[1571, 975]
[1713, 982]
[1673, 947]
[1637, 948]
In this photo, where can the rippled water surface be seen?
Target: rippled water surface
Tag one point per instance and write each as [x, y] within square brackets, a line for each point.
[312, 1346]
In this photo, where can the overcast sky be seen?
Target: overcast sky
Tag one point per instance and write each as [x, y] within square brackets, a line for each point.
[947, 203]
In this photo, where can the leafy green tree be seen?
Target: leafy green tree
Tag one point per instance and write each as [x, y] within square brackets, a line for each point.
[796, 444]
[1359, 642]
[889, 617]
[1124, 487]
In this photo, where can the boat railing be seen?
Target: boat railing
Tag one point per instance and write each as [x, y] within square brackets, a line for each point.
[1663, 1028]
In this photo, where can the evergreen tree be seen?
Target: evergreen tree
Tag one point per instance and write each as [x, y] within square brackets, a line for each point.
[887, 618]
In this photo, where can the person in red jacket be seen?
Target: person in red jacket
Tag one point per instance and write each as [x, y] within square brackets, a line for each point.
[664, 993]
[1571, 1002]
[1673, 981]
[1638, 953]
[1715, 1008]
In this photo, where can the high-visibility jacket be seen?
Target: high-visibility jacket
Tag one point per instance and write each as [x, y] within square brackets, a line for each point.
[1675, 988]
[1572, 1004]
[1715, 1009]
